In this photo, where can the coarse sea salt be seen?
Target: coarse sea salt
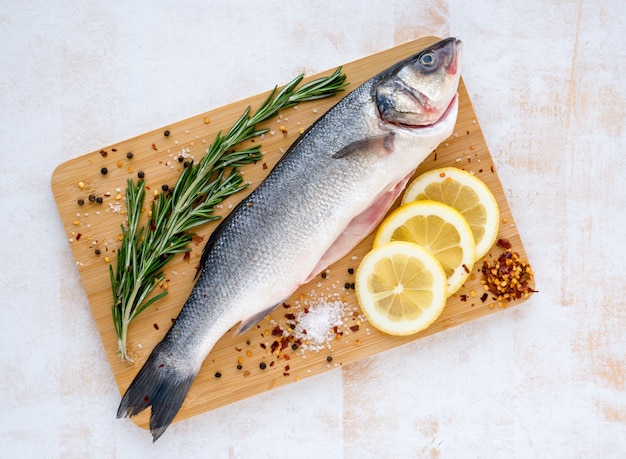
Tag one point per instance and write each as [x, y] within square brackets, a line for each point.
[315, 327]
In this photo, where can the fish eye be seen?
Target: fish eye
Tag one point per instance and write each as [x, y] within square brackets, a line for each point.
[427, 59]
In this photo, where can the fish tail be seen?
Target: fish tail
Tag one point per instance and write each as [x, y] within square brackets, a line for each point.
[160, 386]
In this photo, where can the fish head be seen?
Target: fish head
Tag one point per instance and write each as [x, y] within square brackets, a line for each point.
[419, 90]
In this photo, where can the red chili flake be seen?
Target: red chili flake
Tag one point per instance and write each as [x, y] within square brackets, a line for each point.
[263, 346]
[187, 256]
[160, 365]
[466, 268]
[306, 310]
[284, 344]
[286, 306]
[290, 316]
[103, 153]
[146, 399]
[286, 357]
[508, 278]
[435, 159]
[277, 331]
[113, 149]
[463, 297]
[197, 239]
[504, 244]
[154, 147]
[287, 368]
[264, 166]
[156, 326]
[246, 373]
[152, 225]
[493, 169]
[484, 297]
[78, 236]
[274, 346]
[237, 349]
[354, 328]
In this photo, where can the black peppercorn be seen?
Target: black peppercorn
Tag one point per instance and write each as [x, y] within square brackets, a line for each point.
[180, 159]
[350, 270]
[129, 155]
[164, 187]
[294, 346]
[141, 174]
[324, 275]
[262, 366]
[329, 359]
[218, 374]
[99, 200]
[239, 367]
[97, 252]
[81, 202]
[104, 171]
[92, 198]
[166, 133]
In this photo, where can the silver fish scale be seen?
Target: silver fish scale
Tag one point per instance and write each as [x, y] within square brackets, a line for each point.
[266, 238]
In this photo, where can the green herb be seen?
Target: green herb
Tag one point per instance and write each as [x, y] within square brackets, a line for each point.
[144, 250]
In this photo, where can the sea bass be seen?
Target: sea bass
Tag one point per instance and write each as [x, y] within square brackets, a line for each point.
[329, 190]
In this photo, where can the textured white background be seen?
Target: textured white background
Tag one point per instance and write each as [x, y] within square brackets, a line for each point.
[545, 379]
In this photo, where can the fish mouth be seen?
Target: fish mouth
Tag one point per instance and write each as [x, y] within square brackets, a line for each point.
[451, 105]
[453, 102]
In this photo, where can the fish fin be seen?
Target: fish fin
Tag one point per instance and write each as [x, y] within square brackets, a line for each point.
[360, 226]
[251, 321]
[378, 143]
[160, 386]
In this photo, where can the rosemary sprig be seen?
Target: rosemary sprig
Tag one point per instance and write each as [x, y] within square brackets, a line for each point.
[144, 250]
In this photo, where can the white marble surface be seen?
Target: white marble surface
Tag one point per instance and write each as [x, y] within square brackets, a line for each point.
[545, 379]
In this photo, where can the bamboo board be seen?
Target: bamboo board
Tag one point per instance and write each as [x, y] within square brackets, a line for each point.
[94, 226]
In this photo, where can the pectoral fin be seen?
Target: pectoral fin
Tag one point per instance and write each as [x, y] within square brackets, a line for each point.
[378, 144]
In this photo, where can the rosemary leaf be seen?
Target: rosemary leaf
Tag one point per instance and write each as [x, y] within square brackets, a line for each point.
[145, 250]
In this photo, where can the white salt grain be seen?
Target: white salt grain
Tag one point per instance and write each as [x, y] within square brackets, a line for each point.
[315, 327]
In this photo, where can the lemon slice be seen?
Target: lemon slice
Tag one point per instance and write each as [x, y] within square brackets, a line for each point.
[467, 194]
[400, 287]
[438, 228]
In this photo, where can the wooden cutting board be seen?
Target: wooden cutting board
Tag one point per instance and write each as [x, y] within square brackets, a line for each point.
[93, 227]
